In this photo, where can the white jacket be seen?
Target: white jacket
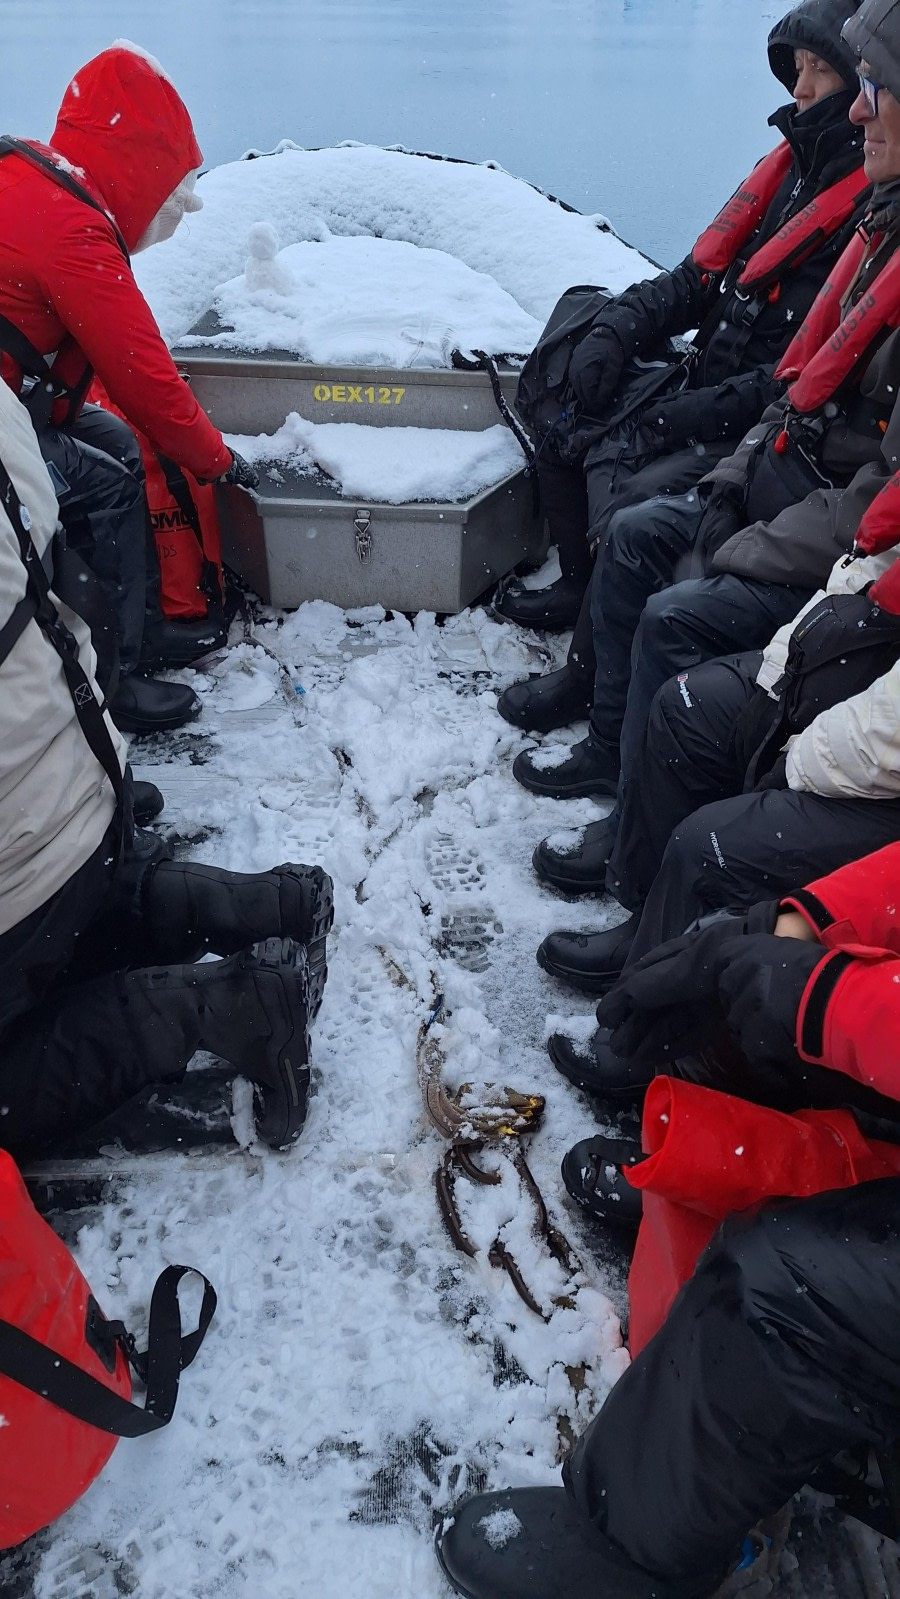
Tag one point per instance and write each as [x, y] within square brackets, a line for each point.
[56, 802]
[851, 751]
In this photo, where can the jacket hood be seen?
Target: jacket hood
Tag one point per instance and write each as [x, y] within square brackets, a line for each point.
[122, 122]
[824, 140]
[813, 25]
[874, 33]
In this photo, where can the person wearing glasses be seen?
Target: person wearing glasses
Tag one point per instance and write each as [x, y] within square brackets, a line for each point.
[840, 430]
[745, 287]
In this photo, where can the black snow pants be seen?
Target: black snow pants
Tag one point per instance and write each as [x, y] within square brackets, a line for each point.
[68, 1056]
[781, 1351]
[674, 862]
[580, 500]
[98, 475]
[648, 628]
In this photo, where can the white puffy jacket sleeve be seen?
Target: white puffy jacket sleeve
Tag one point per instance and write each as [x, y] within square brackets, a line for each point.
[853, 750]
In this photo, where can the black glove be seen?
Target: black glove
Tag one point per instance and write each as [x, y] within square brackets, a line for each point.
[240, 473]
[680, 419]
[597, 363]
[666, 1005]
[776, 777]
[761, 984]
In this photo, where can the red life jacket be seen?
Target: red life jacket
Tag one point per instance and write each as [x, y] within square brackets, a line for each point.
[65, 1386]
[720, 245]
[828, 347]
[709, 1155]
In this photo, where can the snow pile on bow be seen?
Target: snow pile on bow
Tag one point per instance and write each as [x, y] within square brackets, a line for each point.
[518, 245]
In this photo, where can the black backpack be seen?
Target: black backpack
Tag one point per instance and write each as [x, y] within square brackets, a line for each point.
[544, 400]
[840, 647]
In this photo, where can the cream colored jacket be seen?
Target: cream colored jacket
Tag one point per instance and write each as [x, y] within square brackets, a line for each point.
[56, 802]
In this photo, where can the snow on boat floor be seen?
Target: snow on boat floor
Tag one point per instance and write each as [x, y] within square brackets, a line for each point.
[361, 1374]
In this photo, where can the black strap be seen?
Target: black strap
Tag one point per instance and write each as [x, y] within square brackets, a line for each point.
[12, 630]
[87, 707]
[42, 1371]
[179, 488]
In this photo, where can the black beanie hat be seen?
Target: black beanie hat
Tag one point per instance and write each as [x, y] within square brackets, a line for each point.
[874, 34]
[814, 25]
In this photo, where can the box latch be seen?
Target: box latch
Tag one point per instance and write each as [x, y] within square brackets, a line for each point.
[362, 523]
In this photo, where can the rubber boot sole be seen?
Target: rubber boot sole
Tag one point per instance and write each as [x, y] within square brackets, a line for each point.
[282, 1092]
[315, 913]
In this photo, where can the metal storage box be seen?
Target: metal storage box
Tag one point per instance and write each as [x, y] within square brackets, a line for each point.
[297, 539]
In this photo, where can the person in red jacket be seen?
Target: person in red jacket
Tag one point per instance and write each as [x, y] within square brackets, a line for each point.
[782, 1350]
[117, 175]
[765, 1005]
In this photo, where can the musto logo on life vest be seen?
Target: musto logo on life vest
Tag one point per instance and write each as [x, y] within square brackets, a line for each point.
[356, 394]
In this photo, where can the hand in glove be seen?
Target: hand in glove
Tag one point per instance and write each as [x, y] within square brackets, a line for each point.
[667, 1004]
[681, 419]
[597, 363]
[776, 777]
[761, 983]
[240, 473]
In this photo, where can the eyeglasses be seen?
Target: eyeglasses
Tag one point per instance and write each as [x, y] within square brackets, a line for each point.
[870, 91]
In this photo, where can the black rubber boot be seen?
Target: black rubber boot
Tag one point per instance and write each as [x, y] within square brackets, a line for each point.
[535, 1543]
[143, 705]
[595, 1174]
[147, 802]
[251, 1010]
[557, 773]
[189, 909]
[590, 962]
[168, 643]
[575, 862]
[554, 609]
[547, 701]
[597, 1069]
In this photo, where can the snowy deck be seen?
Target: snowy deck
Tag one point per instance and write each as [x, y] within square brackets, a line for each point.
[360, 1373]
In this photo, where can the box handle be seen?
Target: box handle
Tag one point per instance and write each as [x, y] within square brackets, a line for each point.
[362, 523]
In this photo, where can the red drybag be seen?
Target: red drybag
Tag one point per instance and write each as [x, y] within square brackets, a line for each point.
[709, 1154]
[185, 523]
[65, 1385]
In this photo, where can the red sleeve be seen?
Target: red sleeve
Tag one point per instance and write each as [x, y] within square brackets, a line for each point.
[95, 296]
[849, 1020]
[857, 906]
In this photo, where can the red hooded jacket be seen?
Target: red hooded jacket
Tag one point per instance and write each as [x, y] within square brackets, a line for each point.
[64, 281]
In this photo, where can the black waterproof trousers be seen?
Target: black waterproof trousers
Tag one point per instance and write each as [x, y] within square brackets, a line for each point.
[98, 475]
[674, 861]
[579, 502]
[648, 627]
[67, 1054]
[781, 1351]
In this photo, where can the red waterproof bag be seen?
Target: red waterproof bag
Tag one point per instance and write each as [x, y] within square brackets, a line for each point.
[709, 1155]
[185, 523]
[65, 1385]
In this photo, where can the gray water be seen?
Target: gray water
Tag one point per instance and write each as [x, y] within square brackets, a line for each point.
[650, 111]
